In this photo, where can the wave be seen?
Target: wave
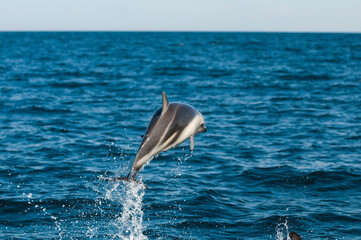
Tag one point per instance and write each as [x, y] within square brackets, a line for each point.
[40, 110]
[306, 77]
[289, 177]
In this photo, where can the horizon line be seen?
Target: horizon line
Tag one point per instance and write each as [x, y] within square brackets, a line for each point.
[188, 31]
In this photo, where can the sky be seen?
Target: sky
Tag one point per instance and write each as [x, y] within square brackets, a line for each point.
[181, 15]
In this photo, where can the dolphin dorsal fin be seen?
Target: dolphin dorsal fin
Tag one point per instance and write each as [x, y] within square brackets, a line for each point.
[165, 102]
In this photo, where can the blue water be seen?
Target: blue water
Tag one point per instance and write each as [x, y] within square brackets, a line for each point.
[282, 151]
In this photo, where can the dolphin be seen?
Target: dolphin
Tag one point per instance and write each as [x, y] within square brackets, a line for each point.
[294, 236]
[170, 125]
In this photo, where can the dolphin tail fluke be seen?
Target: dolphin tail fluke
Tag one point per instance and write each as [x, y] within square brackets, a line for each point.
[127, 178]
[116, 179]
[121, 179]
[130, 178]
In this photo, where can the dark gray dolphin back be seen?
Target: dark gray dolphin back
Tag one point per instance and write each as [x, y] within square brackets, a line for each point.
[152, 123]
[179, 115]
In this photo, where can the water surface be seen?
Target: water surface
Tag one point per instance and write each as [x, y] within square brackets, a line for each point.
[282, 151]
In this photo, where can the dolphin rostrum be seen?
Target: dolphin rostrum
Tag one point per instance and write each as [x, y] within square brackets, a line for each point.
[171, 125]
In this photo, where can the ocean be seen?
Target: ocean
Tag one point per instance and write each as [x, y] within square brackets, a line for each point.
[282, 151]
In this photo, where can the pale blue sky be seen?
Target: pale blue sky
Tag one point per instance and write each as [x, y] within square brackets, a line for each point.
[182, 15]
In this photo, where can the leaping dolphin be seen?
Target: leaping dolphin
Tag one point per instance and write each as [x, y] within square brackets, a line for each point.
[171, 125]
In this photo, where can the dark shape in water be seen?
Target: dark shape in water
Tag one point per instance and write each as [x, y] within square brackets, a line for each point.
[294, 236]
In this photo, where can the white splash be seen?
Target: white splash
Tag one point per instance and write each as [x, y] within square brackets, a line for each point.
[281, 229]
[129, 223]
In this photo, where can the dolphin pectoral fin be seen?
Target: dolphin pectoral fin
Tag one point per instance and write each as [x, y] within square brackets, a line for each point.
[165, 102]
[191, 139]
